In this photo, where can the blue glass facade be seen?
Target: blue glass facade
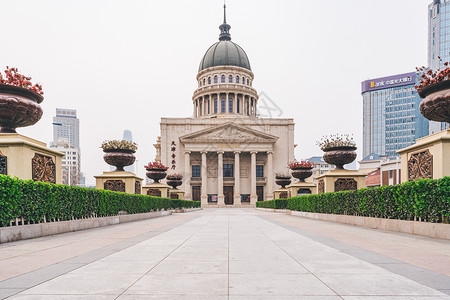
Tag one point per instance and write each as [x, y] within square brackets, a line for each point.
[438, 43]
[392, 119]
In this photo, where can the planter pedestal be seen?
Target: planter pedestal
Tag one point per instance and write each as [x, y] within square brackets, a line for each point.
[340, 180]
[428, 158]
[157, 190]
[27, 158]
[302, 188]
[176, 194]
[119, 181]
[281, 193]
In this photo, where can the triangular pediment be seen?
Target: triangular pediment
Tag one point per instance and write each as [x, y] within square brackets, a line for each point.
[230, 133]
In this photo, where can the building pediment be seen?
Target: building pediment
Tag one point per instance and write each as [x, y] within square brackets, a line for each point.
[229, 133]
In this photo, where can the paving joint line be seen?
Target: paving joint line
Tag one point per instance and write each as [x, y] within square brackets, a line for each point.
[357, 252]
[309, 271]
[201, 227]
[140, 238]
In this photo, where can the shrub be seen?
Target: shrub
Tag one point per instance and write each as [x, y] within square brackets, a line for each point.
[39, 201]
[426, 199]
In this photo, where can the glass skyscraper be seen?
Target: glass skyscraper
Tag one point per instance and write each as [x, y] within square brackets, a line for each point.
[392, 119]
[438, 43]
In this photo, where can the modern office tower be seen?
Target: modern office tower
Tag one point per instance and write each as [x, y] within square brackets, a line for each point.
[438, 43]
[391, 119]
[67, 125]
[66, 138]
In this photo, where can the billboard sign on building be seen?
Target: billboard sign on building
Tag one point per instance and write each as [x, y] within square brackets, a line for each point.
[388, 82]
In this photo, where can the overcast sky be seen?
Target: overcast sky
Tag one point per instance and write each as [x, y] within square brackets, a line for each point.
[125, 64]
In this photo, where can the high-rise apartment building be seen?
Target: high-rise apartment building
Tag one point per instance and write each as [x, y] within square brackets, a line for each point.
[392, 119]
[438, 43]
[66, 139]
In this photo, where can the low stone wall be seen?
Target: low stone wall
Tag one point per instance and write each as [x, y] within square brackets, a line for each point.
[17, 233]
[434, 230]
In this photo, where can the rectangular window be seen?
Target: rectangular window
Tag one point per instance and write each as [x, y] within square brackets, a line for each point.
[228, 170]
[260, 171]
[245, 197]
[237, 106]
[196, 171]
[223, 106]
[212, 198]
[230, 105]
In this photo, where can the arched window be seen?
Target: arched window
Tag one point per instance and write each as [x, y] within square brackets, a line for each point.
[248, 82]
[237, 105]
[209, 80]
[200, 83]
[237, 79]
[230, 79]
[215, 79]
[243, 80]
[230, 105]
[223, 105]
[248, 110]
[204, 81]
[222, 79]
[215, 106]
[209, 107]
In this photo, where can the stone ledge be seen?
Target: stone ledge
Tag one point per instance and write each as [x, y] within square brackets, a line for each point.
[185, 210]
[433, 230]
[281, 211]
[17, 233]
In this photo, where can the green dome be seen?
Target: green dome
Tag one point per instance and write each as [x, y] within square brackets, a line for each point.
[225, 53]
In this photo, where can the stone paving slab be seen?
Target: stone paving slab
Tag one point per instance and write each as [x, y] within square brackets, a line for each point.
[226, 254]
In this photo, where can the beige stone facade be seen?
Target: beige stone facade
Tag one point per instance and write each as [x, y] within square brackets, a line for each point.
[27, 158]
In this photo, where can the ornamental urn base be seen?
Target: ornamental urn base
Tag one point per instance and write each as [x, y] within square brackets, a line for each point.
[301, 173]
[436, 103]
[156, 174]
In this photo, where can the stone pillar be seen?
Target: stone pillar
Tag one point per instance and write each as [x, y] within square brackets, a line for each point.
[220, 196]
[237, 178]
[187, 175]
[204, 175]
[253, 196]
[227, 107]
[270, 176]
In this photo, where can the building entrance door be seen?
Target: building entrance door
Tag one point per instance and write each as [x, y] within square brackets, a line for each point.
[260, 193]
[228, 193]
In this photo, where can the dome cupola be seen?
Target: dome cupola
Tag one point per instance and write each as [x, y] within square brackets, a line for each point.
[225, 52]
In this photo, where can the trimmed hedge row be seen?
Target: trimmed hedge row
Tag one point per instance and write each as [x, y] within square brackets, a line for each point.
[426, 199]
[35, 201]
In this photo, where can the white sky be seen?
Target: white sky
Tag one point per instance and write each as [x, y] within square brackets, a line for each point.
[124, 64]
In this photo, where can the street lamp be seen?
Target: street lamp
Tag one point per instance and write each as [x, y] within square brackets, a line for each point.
[69, 160]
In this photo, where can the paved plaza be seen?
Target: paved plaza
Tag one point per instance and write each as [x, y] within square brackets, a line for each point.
[227, 254]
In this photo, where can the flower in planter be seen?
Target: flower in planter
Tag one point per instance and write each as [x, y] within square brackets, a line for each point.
[174, 176]
[282, 176]
[155, 165]
[336, 140]
[13, 77]
[428, 77]
[119, 145]
[302, 164]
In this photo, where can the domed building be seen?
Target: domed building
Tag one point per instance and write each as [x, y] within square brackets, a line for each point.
[227, 154]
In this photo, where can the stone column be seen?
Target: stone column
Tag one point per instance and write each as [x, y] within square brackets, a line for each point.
[237, 178]
[227, 107]
[270, 176]
[204, 175]
[220, 195]
[187, 175]
[253, 196]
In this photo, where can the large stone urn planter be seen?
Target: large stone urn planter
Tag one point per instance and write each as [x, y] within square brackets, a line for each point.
[156, 174]
[174, 182]
[436, 103]
[340, 156]
[119, 158]
[301, 173]
[19, 107]
[282, 181]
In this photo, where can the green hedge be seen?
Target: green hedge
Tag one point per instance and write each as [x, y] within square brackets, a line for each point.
[426, 199]
[35, 200]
